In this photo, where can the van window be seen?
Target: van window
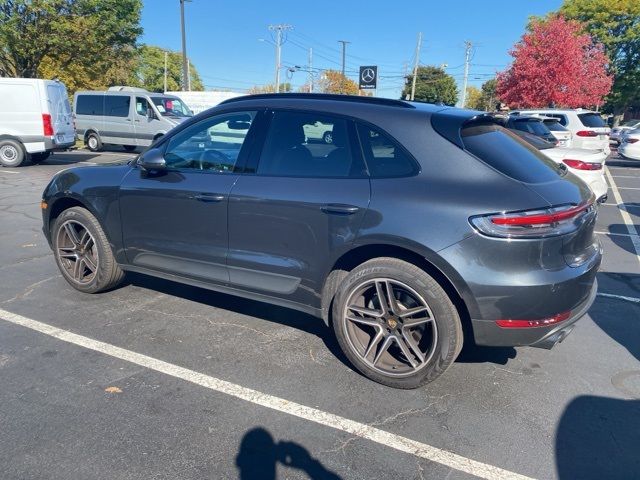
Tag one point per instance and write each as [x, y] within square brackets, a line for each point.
[384, 157]
[58, 101]
[18, 98]
[504, 151]
[592, 120]
[142, 106]
[90, 105]
[116, 105]
[171, 107]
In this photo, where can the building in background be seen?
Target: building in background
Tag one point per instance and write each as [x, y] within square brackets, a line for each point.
[201, 101]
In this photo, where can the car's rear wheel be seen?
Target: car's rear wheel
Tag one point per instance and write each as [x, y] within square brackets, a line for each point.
[93, 142]
[82, 252]
[396, 324]
[12, 153]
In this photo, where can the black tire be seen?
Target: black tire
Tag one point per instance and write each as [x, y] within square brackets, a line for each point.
[327, 137]
[129, 148]
[12, 153]
[39, 157]
[106, 274]
[443, 332]
[93, 142]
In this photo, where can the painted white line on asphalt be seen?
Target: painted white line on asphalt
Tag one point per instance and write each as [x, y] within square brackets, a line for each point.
[626, 218]
[351, 427]
[628, 188]
[626, 176]
[617, 234]
[624, 205]
[619, 297]
[7, 171]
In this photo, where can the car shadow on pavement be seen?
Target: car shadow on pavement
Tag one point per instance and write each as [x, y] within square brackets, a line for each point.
[621, 162]
[599, 438]
[271, 313]
[259, 455]
[620, 236]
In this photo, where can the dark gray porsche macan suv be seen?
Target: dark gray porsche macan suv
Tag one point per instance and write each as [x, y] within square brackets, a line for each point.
[414, 228]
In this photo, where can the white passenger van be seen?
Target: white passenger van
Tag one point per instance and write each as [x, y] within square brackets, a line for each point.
[35, 119]
[127, 116]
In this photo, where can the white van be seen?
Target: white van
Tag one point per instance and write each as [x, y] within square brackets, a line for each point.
[35, 119]
[588, 129]
[127, 116]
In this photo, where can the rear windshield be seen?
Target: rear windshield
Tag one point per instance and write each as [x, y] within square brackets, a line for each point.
[555, 126]
[532, 126]
[508, 154]
[591, 120]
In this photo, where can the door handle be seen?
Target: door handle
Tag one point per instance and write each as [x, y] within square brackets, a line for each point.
[208, 198]
[128, 119]
[137, 120]
[339, 209]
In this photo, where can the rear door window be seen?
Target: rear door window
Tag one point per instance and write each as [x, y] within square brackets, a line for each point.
[562, 118]
[384, 157]
[592, 120]
[507, 153]
[90, 105]
[116, 105]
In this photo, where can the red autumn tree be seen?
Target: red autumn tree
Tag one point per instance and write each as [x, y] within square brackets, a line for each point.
[555, 64]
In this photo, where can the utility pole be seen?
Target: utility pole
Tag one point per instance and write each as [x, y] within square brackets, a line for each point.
[188, 75]
[310, 70]
[467, 56]
[415, 67]
[165, 71]
[344, 54]
[279, 29]
[185, 67]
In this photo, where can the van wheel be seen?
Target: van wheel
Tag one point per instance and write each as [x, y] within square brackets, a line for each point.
[129, 148]
[39, 157]
[12, 153]
[93, 142]
[396, 324]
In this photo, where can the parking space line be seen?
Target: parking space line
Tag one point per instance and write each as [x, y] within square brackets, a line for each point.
[626, 218]
[619, 297]
[628, 188]
[320, 417]
[8, 171]
[616, 234]
[626, 176]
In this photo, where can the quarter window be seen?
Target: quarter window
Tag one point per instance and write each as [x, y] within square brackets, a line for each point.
[116, 105]
[383, 156]
[212, 145]
[90, 105]
[301, 144]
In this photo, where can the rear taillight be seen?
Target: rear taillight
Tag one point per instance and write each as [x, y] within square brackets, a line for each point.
[631, 140]
[46, 125]
[543, 322]
[580, 165]
[586, 133]
[538, 223]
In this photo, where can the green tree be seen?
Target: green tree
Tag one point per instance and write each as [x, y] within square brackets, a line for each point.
[488, 99]
[271, 88]
[85, 43]
[474, 98]
[615, 24]
[149, 70]
[433, 85]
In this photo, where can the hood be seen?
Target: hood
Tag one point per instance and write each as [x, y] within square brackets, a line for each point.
[591, 156]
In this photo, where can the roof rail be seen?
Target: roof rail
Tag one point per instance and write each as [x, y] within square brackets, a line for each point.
[323, 96]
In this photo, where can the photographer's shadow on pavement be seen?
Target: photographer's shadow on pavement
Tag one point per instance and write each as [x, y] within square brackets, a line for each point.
[259, 455]
[599, 438]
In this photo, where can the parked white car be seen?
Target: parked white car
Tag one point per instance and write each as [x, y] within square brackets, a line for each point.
[617, 132]
[588, 129]
[35, 119]
[588, 165]
[630, 146]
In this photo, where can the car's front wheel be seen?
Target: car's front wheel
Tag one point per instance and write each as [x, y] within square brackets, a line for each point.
[82, 252]
[396, 324]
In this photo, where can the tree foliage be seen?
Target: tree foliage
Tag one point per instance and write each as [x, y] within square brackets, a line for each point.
[615, 24]
[488, 98]
[148, 70]
[332, 81]
[555, 64]
[271, 88]
[474, 98]
[433, 85]
[85, 43]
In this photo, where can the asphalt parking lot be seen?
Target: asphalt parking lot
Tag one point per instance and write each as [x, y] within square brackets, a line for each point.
[157, 380]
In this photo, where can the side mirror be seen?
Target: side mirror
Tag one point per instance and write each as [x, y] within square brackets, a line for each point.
[152, 160]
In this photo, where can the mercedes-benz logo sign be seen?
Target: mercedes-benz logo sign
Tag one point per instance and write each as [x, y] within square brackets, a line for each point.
[368, 75]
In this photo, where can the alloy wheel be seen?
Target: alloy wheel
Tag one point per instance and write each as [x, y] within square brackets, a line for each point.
[390, 327]
[77, 252]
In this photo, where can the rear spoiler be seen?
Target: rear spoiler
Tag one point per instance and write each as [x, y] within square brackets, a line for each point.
[450, 122]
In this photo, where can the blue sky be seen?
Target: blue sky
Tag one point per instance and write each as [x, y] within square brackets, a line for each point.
[223, 37]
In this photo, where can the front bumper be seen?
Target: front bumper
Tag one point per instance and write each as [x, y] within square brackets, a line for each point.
[487, 332]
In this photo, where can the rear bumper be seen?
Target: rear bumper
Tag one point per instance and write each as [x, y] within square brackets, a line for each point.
[487, 332]
[51, 144]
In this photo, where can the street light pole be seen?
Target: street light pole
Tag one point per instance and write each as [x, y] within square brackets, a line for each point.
[344, 54]
[185, 67]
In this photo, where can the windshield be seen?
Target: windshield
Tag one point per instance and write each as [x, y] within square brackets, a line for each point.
[592, 120]
[171, 107]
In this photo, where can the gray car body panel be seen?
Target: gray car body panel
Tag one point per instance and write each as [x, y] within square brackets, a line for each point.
[280, 246]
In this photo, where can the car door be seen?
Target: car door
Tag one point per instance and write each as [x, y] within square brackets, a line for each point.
[300, 210]
[175, 220]
[145, 125]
